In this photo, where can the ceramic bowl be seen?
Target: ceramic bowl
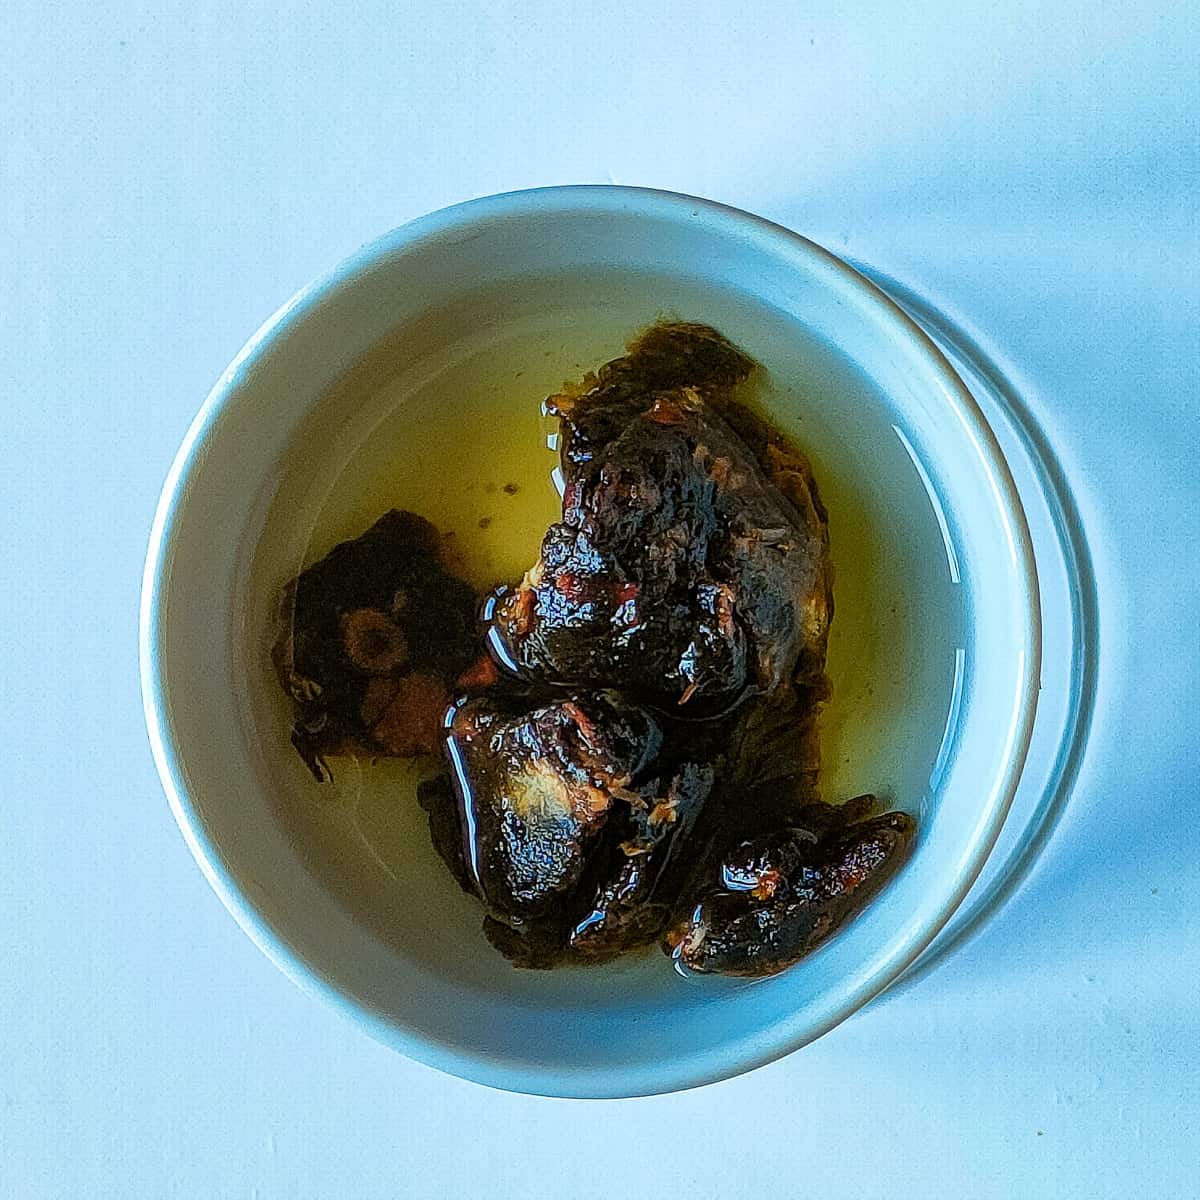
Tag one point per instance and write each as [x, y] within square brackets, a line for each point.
[872, 397]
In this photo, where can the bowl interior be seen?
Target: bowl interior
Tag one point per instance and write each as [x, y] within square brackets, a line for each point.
[413, 377]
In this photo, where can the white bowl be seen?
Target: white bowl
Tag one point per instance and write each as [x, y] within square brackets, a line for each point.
[283, 414]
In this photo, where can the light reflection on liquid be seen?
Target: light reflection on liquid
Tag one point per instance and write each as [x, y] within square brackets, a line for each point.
[952, 716]
[935, 501]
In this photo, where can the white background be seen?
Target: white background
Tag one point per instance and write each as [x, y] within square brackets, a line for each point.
[170, 173]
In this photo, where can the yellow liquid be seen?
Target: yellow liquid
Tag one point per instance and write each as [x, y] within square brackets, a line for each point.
[459, 437]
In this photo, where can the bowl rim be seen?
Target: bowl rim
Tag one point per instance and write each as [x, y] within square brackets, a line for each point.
[631, 202]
